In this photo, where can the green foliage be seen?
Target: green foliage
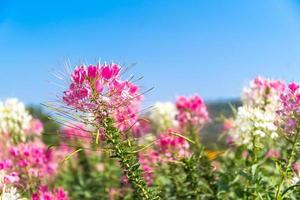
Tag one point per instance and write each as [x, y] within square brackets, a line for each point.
[243, 173]
[190, 178]
[123, 152]
[84, 181]
[51, 128]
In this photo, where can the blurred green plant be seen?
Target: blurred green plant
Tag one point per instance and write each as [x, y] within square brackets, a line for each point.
[51, 128]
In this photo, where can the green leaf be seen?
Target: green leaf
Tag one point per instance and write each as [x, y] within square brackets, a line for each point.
[72, 154]
[289, 188]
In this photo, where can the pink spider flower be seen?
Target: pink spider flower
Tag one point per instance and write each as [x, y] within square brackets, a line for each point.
[228, 124]
[43, 193]
[263, 93]
[27, 162]
[36, 127]
[76, 131]
[141, 128]
[11, 178]
[113, 193]
[167, 148]
[172, 146]
[31, 156]
[289, 113]
[61, 152]
[296, 167]
[272, 153]
[230, 141]
[148, 161]
[99, 89]
[191, 111]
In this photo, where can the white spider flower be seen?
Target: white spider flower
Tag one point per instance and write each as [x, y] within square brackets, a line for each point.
[10, 194]
[253, 122]
[295, 180]
[14, 118]
[163, 115]
[263, 93]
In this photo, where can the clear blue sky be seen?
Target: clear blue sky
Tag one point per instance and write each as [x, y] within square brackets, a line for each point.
[181, 47]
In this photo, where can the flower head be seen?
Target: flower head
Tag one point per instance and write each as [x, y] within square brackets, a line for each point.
[296, 167]
[11, 194]
[289, 112]
[172, 146]
[14, 118]
[272, 153]
[99, 89]
[252, 122]
[263, 93]
[228, 124]
[36, 127]
[26, 162]
[167, 148]
[163, 116]
[76, 131]
[43, 193]
[148, 161]
[295, 180]
[141, 128]
[191, 111]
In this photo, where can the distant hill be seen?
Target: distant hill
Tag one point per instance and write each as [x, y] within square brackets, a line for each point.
[216, 109]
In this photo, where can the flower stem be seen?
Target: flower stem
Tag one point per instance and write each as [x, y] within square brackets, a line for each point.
[128, 161]
[195, 136]
[284, 174]
[254, 143]
[253, 162]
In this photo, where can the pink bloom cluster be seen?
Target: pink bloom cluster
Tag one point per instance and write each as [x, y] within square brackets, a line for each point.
[148, 160]
[230, 141]
[167, 148]
[76, 131]
[272, 153]
[289, 113]
[43, 193]
[11, 177]
[36, 127]
[141, 128]
[228, 124]
[191, 111]
[99, 88]
[296, 167]
[172, 146]
[263, 93]
[74, 134]
[26, 162]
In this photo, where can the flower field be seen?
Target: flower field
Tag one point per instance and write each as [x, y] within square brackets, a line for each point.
[102, 144]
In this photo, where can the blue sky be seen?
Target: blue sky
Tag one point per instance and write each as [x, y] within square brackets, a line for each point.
[180, 47]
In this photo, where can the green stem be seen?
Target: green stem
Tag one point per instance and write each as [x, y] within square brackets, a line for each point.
[284, 174]
[196, 138]
[196, 163]
[254, 158]
[253, 162]
[128, 161]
